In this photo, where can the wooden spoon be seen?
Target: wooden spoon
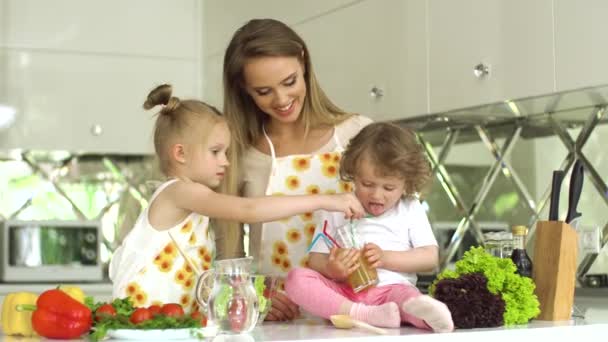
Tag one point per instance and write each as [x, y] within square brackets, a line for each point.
[347, 322]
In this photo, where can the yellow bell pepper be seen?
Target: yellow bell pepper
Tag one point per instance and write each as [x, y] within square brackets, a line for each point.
[18, 322]
[74, 292]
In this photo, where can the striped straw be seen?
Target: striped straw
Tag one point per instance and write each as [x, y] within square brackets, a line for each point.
[314, 241]
[329, 236]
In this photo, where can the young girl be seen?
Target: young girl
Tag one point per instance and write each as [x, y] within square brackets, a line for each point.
[388, 168]
[191, 140]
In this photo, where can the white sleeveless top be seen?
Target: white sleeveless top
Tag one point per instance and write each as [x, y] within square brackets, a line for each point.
[149, 268]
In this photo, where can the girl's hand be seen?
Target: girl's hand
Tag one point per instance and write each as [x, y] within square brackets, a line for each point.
[373, 255]
[346, 203]
[341, 263]
[283, 309]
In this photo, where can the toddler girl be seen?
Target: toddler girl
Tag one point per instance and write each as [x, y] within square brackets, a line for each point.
[388, 168]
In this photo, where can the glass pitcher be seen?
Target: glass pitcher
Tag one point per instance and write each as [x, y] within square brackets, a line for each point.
[227, 294]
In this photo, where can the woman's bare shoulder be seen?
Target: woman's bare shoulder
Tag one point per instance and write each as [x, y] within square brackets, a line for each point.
[351, 126]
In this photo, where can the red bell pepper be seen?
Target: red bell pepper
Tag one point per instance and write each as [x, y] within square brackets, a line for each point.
[58, 315]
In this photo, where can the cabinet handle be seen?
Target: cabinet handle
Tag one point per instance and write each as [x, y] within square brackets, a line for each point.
[376, 92]
[96, 130]
[481, 70]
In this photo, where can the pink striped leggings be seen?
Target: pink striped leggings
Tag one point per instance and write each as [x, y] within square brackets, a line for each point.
[323, 297]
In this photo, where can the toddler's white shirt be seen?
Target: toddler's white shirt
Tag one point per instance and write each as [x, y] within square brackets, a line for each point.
[401, 228]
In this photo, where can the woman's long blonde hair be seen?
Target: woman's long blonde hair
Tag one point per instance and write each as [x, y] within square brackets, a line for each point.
[266, 38]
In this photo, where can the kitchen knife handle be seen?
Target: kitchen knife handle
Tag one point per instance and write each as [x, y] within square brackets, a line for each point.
[576, 187]
[556, 185]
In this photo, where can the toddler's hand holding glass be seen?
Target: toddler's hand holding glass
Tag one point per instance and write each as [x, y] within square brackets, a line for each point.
[342, 262]
[373, 254]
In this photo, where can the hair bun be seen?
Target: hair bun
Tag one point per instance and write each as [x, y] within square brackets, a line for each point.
[171, 105]
[161, 95]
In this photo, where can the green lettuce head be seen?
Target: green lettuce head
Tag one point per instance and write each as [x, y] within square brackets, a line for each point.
[260, 286]
[517, 292]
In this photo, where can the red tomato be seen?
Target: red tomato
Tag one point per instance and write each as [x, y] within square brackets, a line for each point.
[154, 309]
[199, 316]
[172, 310]
[237, 313]
[140, 315]
[104, 311]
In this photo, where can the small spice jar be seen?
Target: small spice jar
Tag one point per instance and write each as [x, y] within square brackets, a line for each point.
[499, 244]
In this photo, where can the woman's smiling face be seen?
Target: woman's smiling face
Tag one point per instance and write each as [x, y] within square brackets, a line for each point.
[277, 86]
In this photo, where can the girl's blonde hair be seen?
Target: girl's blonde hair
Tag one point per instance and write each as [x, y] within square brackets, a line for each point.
[393, 151]
[187, 121]
[265, 38]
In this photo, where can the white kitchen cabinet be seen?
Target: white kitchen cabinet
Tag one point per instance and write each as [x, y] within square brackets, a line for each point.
[61, 99]
[581, 43]
[77, 73]
[3, 19]
[156, 28]
[514, 38]
[379, 44]
[3, 109]
[223, 17]
[212, 82]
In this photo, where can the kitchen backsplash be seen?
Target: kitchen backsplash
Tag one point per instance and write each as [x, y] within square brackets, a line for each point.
[63, 186]
[113, 189]
[58, 185]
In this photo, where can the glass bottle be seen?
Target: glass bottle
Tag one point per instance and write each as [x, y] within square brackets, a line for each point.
[520, 256]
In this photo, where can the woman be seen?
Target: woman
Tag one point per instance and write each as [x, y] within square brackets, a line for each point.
[288, 138]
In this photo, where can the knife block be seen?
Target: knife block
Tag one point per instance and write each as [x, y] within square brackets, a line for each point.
[554, 269]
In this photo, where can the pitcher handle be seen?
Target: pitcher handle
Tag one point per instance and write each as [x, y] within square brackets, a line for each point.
[200, 284]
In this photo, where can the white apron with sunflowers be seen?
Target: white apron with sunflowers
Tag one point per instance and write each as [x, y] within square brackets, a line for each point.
[285, 241]
[149, 268]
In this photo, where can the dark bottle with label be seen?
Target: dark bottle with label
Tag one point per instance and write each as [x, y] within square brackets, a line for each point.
[520, 256]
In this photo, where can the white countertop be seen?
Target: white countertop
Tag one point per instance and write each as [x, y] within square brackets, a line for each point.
[595, 325]
[319, 330]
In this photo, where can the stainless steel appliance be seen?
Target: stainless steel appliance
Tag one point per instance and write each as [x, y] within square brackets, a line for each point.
[50, 251]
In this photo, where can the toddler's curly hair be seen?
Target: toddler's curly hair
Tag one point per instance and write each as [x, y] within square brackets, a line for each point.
[393, 151]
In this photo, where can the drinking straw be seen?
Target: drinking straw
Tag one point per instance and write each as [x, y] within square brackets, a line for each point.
[353, 229]
[314, 241]
[329, 236]
[352, 234]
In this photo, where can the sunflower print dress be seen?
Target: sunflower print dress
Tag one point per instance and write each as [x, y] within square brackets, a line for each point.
[158, 272]
[285, 241]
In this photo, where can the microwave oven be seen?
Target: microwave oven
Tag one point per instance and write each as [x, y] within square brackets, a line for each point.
[50, 251]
